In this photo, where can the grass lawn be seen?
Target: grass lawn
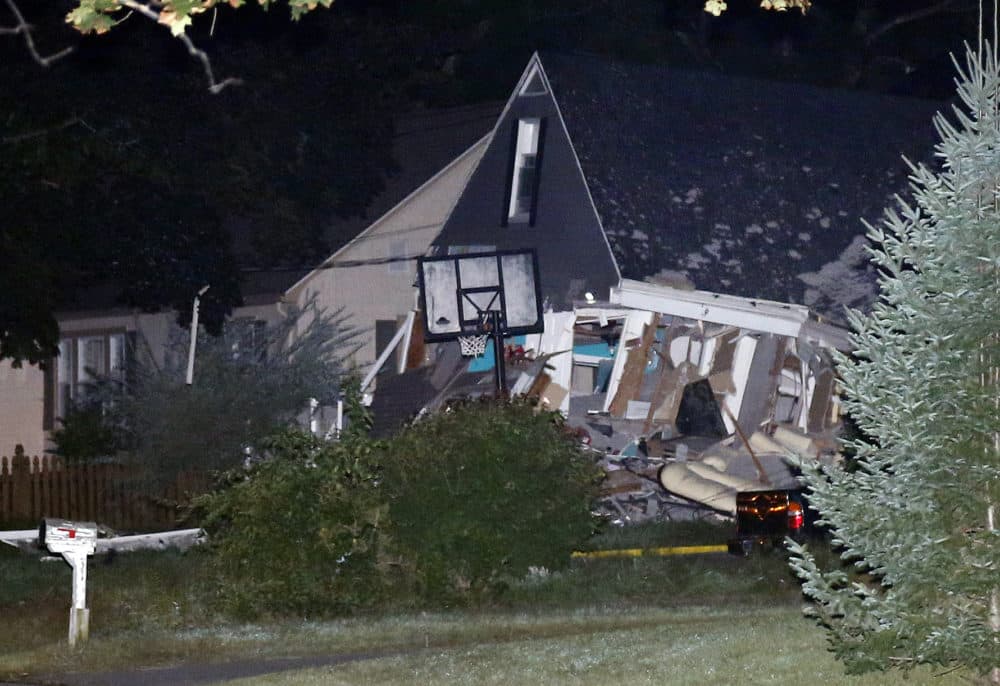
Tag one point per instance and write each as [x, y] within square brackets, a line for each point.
[692, 646]
[673, 620]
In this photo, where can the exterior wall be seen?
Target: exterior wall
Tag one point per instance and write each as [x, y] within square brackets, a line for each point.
[370, 291]
[358, 278]
[22, 407]
[22, 391]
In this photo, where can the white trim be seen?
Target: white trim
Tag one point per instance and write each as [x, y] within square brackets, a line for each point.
[523, 84]
[635, 322]
[401, 333]
[743, 356]
[767, 316]
[590, 314]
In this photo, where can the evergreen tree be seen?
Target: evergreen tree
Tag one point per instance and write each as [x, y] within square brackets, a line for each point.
[915, 515]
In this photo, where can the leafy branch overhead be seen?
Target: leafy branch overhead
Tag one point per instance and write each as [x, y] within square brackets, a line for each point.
[99, 16]
[717, 7]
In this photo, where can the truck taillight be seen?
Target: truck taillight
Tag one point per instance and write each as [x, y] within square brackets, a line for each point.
[795, 516]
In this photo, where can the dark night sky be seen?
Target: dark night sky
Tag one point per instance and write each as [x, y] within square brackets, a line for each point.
[117, 164]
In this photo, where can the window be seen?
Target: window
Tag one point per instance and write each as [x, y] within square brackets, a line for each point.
[522, 195]
[84, 359]
[533, 85]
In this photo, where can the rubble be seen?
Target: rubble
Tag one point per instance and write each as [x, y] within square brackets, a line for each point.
[686, 397]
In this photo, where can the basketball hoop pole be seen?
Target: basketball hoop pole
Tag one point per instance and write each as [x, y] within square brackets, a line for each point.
[500, 373]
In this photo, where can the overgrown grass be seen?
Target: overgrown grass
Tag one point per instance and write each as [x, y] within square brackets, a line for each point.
[159, 608]
[686, 647]
[670, 581]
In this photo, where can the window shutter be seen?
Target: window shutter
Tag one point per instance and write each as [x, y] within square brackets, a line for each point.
[509, 176]
[49, 395]
[539, 156]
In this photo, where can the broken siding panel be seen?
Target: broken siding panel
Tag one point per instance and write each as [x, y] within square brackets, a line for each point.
[635, 323]
[707, 356]
[632, 377]
[790, 397]
[724, 350]
[584, 379]
[743, 355]
[819, 416]
[667, 398]
[557, 340]
[761, 384]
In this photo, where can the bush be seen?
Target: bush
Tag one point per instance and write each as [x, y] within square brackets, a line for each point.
[85, 435]
[301, 531]
[485, 489]
[251, 380]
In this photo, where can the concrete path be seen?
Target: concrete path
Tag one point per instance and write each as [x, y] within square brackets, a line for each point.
[199, 674]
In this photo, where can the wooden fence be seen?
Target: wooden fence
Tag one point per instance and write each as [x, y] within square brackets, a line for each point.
[32, 488]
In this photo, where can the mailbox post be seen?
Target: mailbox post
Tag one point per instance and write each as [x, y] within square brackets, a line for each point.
[75, 541]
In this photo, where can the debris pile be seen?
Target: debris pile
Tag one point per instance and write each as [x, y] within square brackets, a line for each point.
[687, 397]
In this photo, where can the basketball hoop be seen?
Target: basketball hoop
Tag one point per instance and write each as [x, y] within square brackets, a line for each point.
[472, 346]
[478, 296]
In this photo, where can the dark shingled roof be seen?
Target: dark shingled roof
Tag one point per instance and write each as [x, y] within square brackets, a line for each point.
[744, 187]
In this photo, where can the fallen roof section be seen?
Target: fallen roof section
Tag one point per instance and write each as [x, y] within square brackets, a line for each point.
[766, 316]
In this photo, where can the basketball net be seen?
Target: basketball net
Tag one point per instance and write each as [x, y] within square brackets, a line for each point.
[472, 346]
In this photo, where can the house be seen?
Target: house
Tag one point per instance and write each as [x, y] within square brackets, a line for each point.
[95, 340]
[698, 238]
[732, 185]
[368, 276]
[372, 275]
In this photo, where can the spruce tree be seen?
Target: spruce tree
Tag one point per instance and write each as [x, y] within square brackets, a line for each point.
[914, 515]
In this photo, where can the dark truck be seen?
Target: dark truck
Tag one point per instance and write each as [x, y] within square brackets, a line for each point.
[765, 518]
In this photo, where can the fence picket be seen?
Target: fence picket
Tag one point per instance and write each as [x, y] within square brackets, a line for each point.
[108, 493]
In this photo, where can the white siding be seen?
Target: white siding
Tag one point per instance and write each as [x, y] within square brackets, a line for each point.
[359, 279]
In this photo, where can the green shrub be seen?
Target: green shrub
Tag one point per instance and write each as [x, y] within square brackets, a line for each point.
[300, 532]
[86, 434]
[483, 490]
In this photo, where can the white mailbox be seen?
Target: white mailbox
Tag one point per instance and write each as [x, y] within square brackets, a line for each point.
[75, 541]
[61, 536]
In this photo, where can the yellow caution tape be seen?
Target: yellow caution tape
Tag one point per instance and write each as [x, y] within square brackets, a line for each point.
[651, 552]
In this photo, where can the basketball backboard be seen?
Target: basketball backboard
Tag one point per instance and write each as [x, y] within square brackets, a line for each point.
[456, 291]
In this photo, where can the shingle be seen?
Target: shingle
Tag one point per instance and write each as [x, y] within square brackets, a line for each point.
[745, 187]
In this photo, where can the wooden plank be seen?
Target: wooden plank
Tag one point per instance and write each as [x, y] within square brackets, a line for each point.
[673, 384]
[635, 367]
[725, 348]
[417, 351]
[819, 409]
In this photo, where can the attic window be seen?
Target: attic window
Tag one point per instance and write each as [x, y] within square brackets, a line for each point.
[533, 85]
[525, 167]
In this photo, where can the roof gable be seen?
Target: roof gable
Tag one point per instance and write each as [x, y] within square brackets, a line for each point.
[573, 253]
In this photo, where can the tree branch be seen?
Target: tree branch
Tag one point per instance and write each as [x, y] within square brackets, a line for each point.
[901, 19]
[214, 86]
[24, 28]
[41, 132]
